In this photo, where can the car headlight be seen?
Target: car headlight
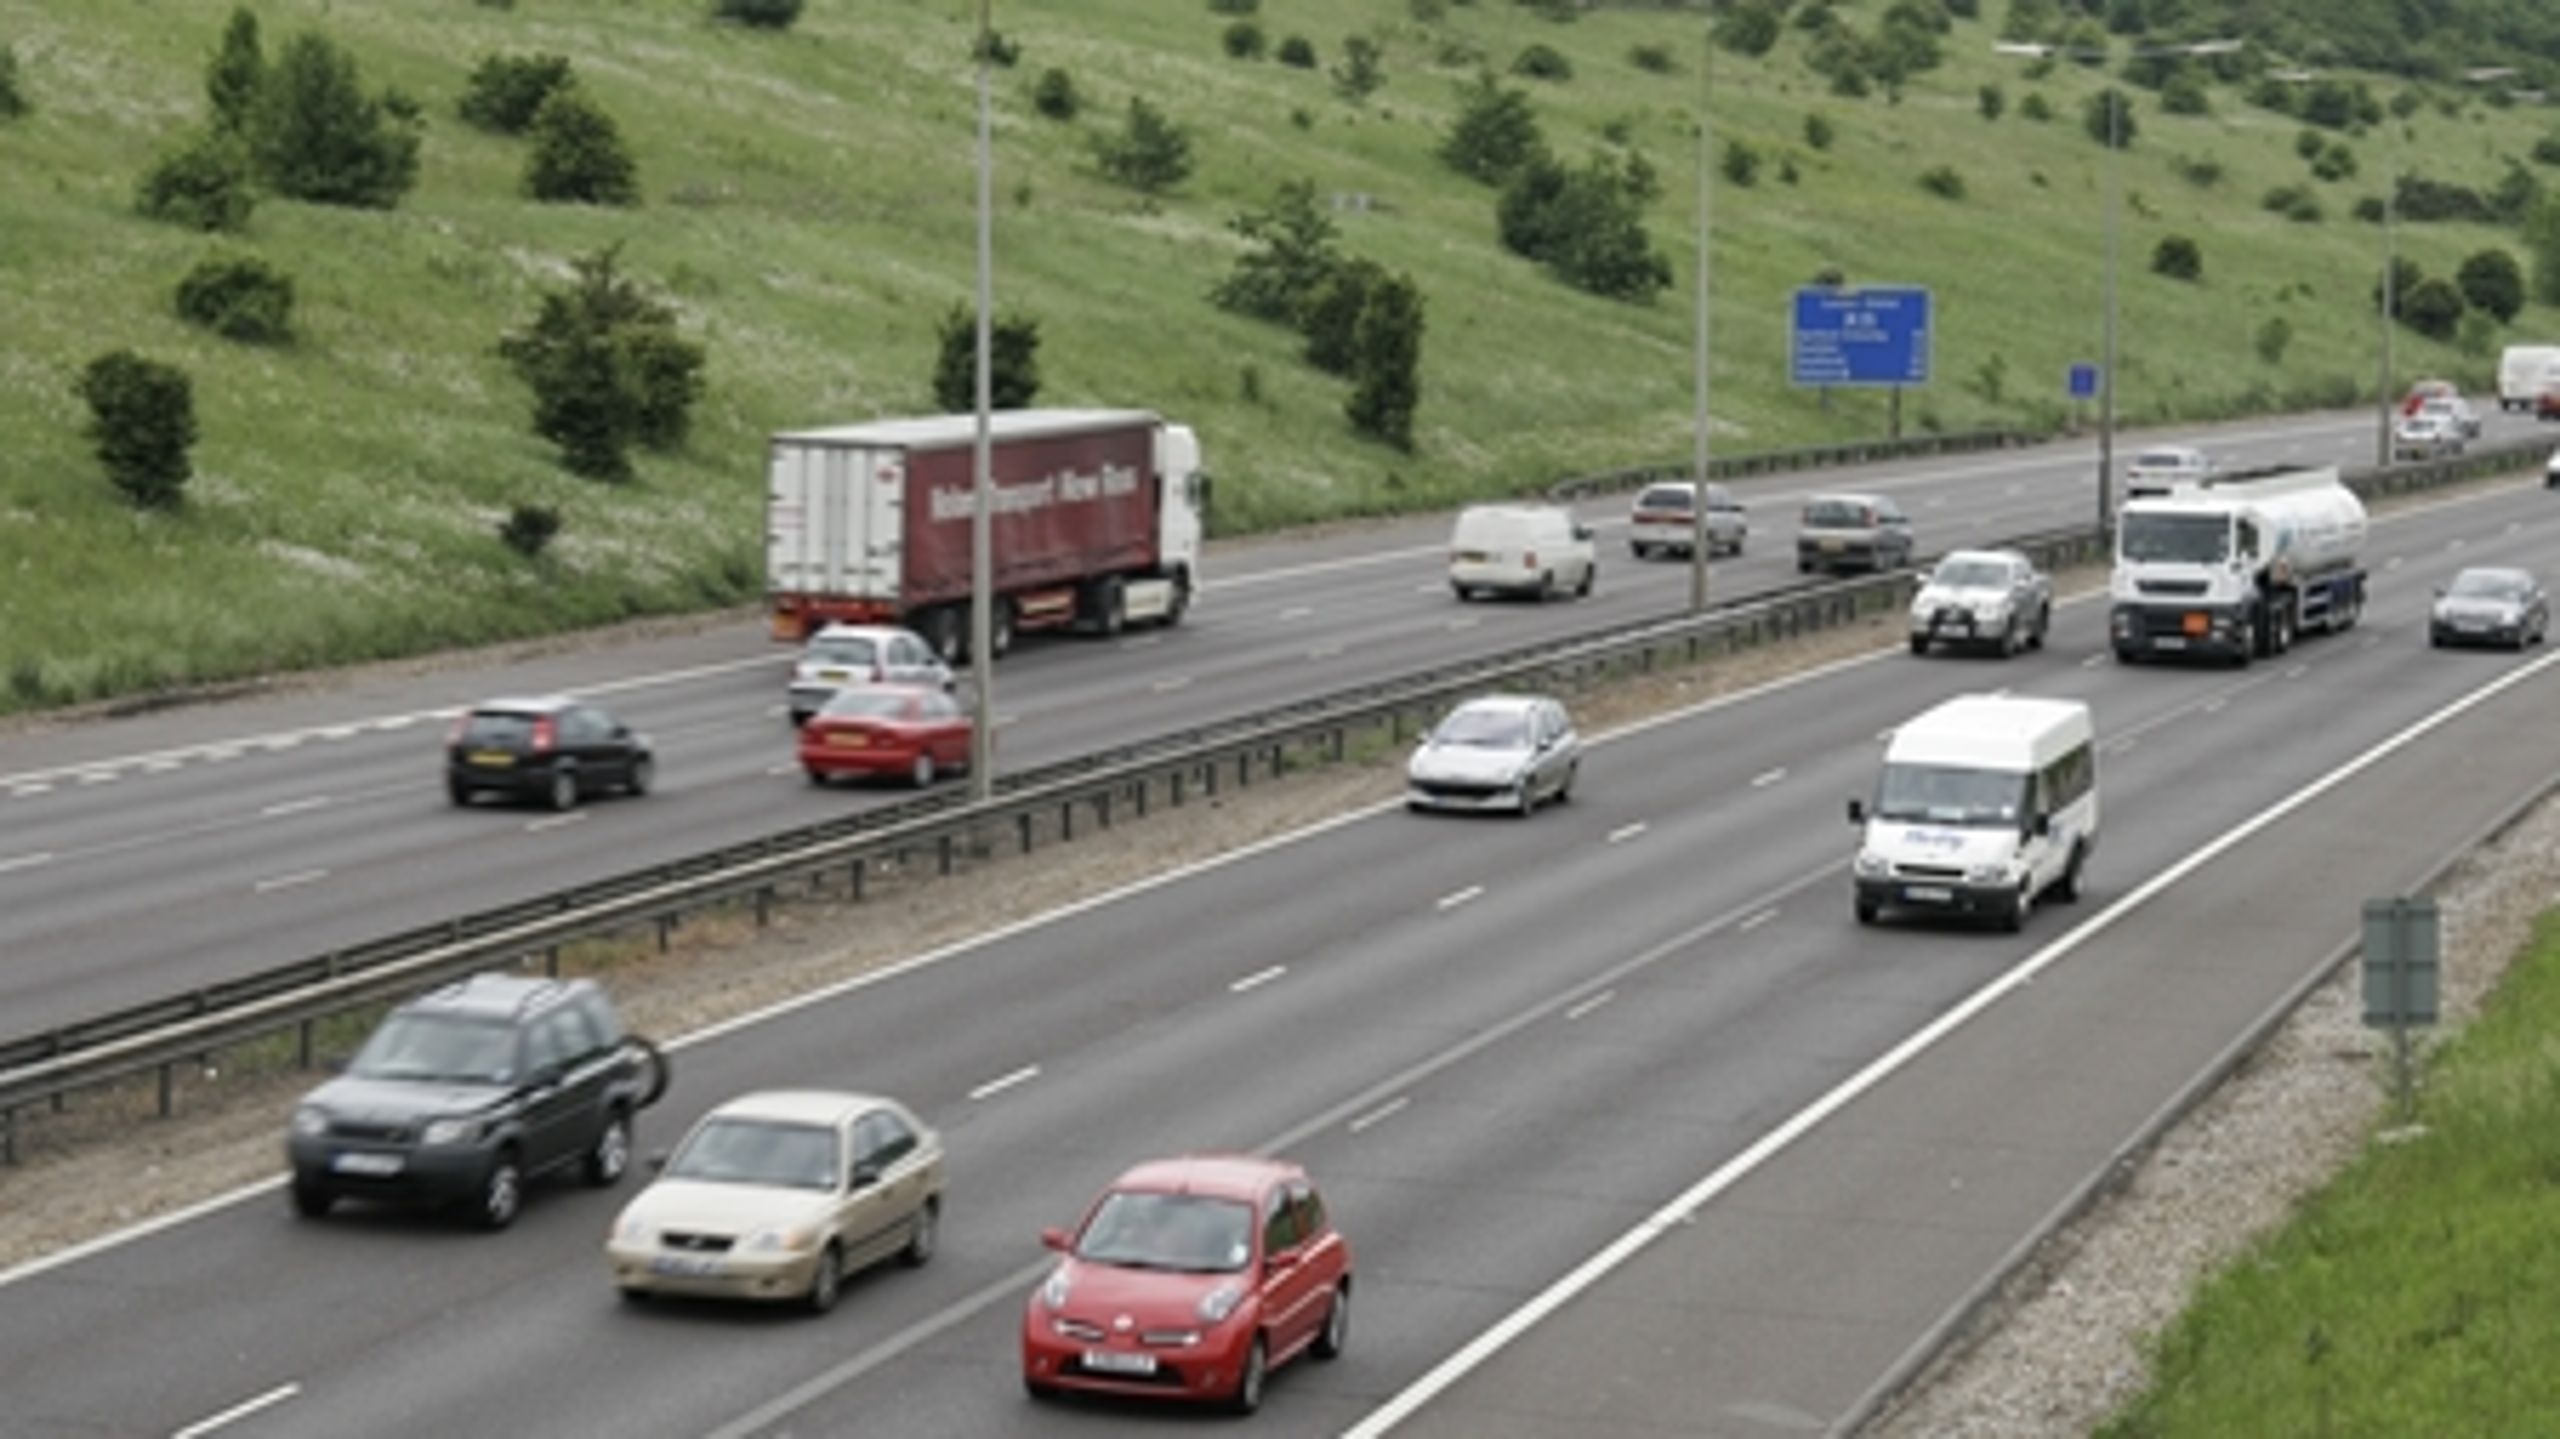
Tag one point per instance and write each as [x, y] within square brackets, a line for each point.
[1873, 866]
[1053, 1290]
[1988, 874]
[449, 1131]
[632, 1231]
[1991, 609]
[310, 1123]
[1220, 1302]
[791, 1240]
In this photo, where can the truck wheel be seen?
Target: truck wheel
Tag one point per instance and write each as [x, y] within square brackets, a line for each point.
[1173, 611]
[1110, 606]
[1590, 577]
[2066, 890]
[1919, 644]
[940, 627]
[1000, 629]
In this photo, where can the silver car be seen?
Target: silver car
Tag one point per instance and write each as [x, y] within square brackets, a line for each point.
[1665, 521]
[2426, 436]
[2490, 606]
[842, 655]
[1983, 597]
[1500, 752]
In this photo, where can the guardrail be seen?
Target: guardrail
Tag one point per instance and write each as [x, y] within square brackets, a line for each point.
[1802, 457]
[1032, 807]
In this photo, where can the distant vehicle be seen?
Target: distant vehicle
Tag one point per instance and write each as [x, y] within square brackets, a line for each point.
[2425, 390]
[2163, 468]
[2457, 411]
[781, 1195]
[1986, 803]
[1983, 597]
[470, 1092]
[904, 731]
[2490, 606]
[2426, 436]
[2551, 471]
[842, 655]
[1096, 522]
[2524, 372]
[2546, 405]
[1190, 1279]
[1540, 551]
[1665, 521]
[1852, 532]
[1499, 752]
[551, 748]
[2238, 566]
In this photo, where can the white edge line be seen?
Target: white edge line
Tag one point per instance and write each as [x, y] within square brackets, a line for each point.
[1675, 1213]
[239, 1411]
[1757, 920]
[1258, 978]
[1588, 1005]
[1378, 1115]
[26, 861]
[1003, 1082]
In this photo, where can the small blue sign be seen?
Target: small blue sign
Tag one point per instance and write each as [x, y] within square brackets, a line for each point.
[2084, 382]
[1874, 336]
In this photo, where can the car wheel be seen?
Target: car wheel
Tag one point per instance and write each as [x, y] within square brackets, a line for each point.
[1919, 644]
[799, 718]
[312, 1201]
[2012, 639]
[1590, 577]
[2066, 890]
[826, 1281]
[631, 1295]
[1248, 1395]
[644, 772]
[501, 1192]
[1337, 1325]
[611, 1154]
[920, 774]
[1564, 791]
[2014, 918]
[2044, 626]
[922, 1235]
[818, 777]
[2126, 656]
[563, 794]
[1463, 592]
[459, 793]
[1867, 911]
[1547, 586]
[1642, 552]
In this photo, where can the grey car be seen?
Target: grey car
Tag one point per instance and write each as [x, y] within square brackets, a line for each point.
[1837, 532]
[2490, 606]
[1506, 753]
[1994, 598]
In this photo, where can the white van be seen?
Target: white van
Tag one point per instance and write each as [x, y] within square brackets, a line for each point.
[2523, 371]
[1986, 803]
[2164, 469]
[1539, 550]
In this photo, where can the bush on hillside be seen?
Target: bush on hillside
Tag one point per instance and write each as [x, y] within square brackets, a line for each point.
[2371, 210]
[1357, 75]
[1818, 131]
[1243, 40]
[2493, 282]
[2202, 172]
[1740, 163]
[235, 74]
[1584, 228]
[2308, 143]
[2335, 162]
[1749, 28]
[1496, 131]
[2274, 337]
[2547, 150]
[2035, 107]
[2294, 202]
[239, 299]
[1386, 371]
[2177, 257]
[315, 135]
[1013, 361]
[506, 91]
[1654, 59]
[2108, 117]
[578, 157]
[762, 14]
[202, 185]
[1290, 250]
[2185, 95]
[2420, 198]
[607, 368]
[528, 529]
[1991, 100]
[1541, 61]
[1297, 52]
[1329, 318]
[142, 419]
[1943, 181]
[2434, 309]
[1429, 12]
[1054, 95]
[1151, 154]
[13, 102]
[996, 48]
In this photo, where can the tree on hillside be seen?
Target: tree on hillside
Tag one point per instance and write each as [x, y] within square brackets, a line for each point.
[236, 73]
[1013, 362]
[203, 185]
[578, 156]
[2434, 309]
[607, 368]
[316, 136]
[1749, 28]
[2117, 128]
[1495, 133]
[2492, 281]
[142, 418]
[1584, 227]
[1151, 154]
[240, 299]
[505, 92]
[1386, 368]
[761, 14]
[1330, 317]
[1358, 74]
[1293, 250]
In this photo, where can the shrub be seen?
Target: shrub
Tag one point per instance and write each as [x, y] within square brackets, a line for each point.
[2294, 202]
[1386, 370]
[142, 418]
[1291, 251]
[2477, 334]
[2420, 198]
[2309, 143]
[2035, 107]
[2184, 94]
[1542, 61]
[2493, 282]
[1150, 154]
[1013, 362]
[1055, 95]
[2109, 119]
[1991, 100]
[1583, 227]
[13, 103]
[2434, 308]
[1234, 7]
[1358, 75]
[316, 137]
[1749, 28]
[2336, 162]
[506, 91]
[1329, 318]
[1657, 59]
[578, 156]
[1297, 51]
[1243, 39]
[2177, 257]
[761, 14]
[528, 529]
[1740, 163]
[607, 369]
[2273, 338]
[1943, 181]
[2371, 210]
[1964, 9]
[996, 48]
[1496, 131]
[235, 74]
[2203, 173]
[238, 299]
[203, 185]
[2547, 149]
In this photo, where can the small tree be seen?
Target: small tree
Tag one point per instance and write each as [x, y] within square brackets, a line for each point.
[12, 102]
[1818, 131]
[1298, 53]
[1293, 250]
[1151, 155]
[2405, 277]
[1740, 163]
[1749, 28]
[1542, 61]
[203, 185]
[2274, 337]
[1013, 362]
[2542, 241]
[2177, 257]
[2333, 163]
[1943, 181]
[528, 529]
[761, 14]
[578, 156]
[1358, 74]
[1653, 59]
[2108, 117]
[1386, 371]
[236, 73]
[239, 299]
[1330, 316]
[2434, 309]
[1495, 133]
[2035, 107]
[1055, 95]
[505, 92]
[1991, 100]
[2184, 94]
[316, 137]
[142, 418]
[1243, 39]
[2492, 281]
[607, 369]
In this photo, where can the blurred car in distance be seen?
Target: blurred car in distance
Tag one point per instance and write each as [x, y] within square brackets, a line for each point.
[1537, 551]
[2162, 468]
[2425, 436]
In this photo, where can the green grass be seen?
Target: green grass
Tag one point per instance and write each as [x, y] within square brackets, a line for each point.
[2419, 1292]
[808, 204]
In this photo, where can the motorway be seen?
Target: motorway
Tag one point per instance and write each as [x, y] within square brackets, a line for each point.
[1500, 1046]
[143, 857]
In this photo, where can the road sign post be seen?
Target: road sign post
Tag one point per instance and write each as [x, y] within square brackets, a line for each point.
[2400, 943]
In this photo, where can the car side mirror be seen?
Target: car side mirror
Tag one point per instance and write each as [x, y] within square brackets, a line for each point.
[1281, 1261]
[865, 1174]
[658, 1162]
[1054, 1238]
[1857, 811]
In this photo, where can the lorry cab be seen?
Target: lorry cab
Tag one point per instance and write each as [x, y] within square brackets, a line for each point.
[1984, 804]
[1536, 550]
[2524, 371]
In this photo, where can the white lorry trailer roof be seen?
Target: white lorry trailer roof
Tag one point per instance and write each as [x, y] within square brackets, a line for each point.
[1999, 732]
[938, 432]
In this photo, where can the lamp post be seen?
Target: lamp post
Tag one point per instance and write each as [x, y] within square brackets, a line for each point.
[2115, 145]
[982, 734]
[1700, 532]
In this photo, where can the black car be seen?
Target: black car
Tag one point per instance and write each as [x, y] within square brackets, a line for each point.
[553, 749]
[471, 1091]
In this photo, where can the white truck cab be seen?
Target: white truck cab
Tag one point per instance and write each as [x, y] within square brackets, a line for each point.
[1984, 804]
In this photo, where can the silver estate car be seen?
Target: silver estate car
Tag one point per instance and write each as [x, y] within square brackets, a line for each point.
[1499, 752]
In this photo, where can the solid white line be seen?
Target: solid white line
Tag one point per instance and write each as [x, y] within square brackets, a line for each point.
[1259, 978]
[220, 756]
[30, 791]
[2095, 660]
[1429, 589]
[1467, 623]
[997, 1086]
[339, 731]
[1588, 1005]
[1683, 1208]
[1296, 612]
[238, 1412]
[2215, 704]
[1768, 777]
[293, 806]
[99, 776]
[2457, 542]
[1378, 1114]
[26, 861]
[1757, 920]
[288, 881]
[393, 722]
[2118, 746]
[1626, 832]
[778, 770]
[2297, 672]
[159, 766]
[1452, 901]
[537, 826]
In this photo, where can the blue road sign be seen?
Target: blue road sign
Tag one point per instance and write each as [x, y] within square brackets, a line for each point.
[2084, 382]
[1874, 336]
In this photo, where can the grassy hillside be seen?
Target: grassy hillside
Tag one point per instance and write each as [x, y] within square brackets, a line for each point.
[807, 204]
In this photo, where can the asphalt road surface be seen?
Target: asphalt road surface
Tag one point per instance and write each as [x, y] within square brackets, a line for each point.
[1500, 1046]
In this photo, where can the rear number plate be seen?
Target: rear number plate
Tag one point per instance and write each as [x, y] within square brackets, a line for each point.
[492, 759]
[848, 741]
[1927, 894]
[1105, 1361]
[373, 1164]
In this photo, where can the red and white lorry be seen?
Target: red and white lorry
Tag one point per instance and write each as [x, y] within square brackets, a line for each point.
[1096, 523]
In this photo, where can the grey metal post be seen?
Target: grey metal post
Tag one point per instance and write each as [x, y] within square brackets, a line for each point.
[2390, 303]
[2107, 369]
[982, 732]
[1700, 530]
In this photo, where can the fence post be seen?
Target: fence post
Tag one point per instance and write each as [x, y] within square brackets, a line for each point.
[167, 1080]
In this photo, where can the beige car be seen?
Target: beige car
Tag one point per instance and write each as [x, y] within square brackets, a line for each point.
[778, 1196]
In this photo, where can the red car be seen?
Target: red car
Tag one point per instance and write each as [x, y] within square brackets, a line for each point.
[2546, 405]
[906, 730]
[1190, 1279]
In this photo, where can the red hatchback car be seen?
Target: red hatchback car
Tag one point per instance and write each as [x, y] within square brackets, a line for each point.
[1190, 1279]
[901, 730]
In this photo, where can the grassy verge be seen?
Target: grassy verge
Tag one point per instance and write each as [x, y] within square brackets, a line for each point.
[2419, 1292]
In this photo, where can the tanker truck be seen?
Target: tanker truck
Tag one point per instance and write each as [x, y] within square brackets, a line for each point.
[2237, 565]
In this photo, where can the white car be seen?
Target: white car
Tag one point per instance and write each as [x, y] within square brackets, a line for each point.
[2163, 468]
[2455, 410]
[2425, 436]
[1983, 597]
[780, 1195]
[2551, 472]
[1665, 520]
[1499, 752]
[842, 655]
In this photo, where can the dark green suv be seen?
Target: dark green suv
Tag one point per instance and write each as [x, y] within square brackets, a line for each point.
[469, 1092]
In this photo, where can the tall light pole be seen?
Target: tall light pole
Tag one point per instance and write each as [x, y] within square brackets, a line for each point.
[982, 670]
[2110, 96]
[1700, 532]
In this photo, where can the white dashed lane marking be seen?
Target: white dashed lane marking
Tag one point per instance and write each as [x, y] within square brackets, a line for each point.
[1296, 612]
[1757, 920]
[1767, 778]
[1000, 1084]
[1452, 901]
[1382, 1112]
[293, 806]
[1626, 832]
[288, 881]
[26, 861]
[1259, 978]
[554, 822]
[1166, 687]
[1588, 1005]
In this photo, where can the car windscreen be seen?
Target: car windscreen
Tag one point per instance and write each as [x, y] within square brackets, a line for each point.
[2183, 539]
[2486, 585]
[1187, 1233]
[1663, 497]
[438, 1048]
[870, 704]
[1484, 728]
[842, 650]
[758, 1151]
[2165, 460]
[1949, 795]
[1836, 515]
[1971, 574]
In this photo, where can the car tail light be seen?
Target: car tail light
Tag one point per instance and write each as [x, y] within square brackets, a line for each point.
[461, 722]
[543, 734]
[1528, 559]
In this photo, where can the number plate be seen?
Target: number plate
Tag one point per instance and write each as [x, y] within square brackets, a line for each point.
[1832, 543]
[1927, 893]
[848, 741]
[2169, 642]
[838, 675]
[684, 1266]
[1106, 1361]
[1473, 557]
[377, 1165]
[492, 759]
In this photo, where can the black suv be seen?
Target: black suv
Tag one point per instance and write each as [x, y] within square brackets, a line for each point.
[468, 1092]
[553, 749]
